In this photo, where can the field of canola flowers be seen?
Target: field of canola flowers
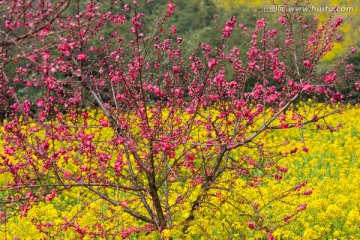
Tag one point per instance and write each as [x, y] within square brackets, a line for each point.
[330, 166]
[332, 169]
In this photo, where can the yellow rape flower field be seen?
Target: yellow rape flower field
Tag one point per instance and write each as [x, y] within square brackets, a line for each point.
[330, 167]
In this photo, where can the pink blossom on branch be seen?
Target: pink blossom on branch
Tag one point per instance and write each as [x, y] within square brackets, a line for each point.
[357, 86]
[171, 7]
[329, 78]
[212, 63]
[307, 63]
[307, 88]
[251, 225]
[82, 57]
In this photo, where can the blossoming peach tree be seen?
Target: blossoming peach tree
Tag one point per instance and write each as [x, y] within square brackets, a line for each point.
[101, 99]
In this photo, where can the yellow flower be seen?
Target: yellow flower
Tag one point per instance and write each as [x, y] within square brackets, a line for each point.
[333, 211]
